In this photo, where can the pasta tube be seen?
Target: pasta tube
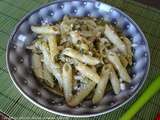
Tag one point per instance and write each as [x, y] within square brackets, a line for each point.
[78, 40]
[67, 81]
[37, 66]
[129, 50]
[80, 96]
[45, 29]
[53, 48]
[114, 59]
[88, 72]
[101, 86]
[48, 79]
[113, 37]
[114, 81]
[81, 57]
[54, 68]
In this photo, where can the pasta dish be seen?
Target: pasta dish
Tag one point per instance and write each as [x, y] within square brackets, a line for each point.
[78, 57]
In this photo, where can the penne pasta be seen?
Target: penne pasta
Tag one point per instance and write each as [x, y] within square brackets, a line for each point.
[78, 40]
[114, 38]
[37, 66]
[114, 59]
[52, 42]
[54, 68]
[101, 86]
[48, 79]
[81, 57]
[45, 29]
[67, 81]
[114, 81]
[88, 72]
[80, 96]
[129, 49]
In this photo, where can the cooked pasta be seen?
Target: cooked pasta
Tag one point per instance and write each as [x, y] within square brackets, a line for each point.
[101, 86]
[37, 65]
[76, 58]
[81, 57]
[114, 38]
[67, 81]
[53, 67]
[45, 29]
[88, 72]
[114, 59]
[48, 79]
[53, 48]
[80, 96]
[114, 81]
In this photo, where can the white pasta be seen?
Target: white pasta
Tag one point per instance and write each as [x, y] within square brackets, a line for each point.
[88, 72]
[67, 81]
[113, 37]
[48, 79]
[45, 29]
[114, 81]
[129, 50]
[52, 42]
[79, 97]
[37, 65]
[114, 59]
[77, 39]
[81, 57]
[101, 86]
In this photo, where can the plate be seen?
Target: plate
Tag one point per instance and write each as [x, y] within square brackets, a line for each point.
[19, 59]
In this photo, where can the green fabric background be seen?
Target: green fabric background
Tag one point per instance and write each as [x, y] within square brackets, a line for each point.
[18, 107]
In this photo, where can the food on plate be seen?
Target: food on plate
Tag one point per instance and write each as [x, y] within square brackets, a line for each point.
[79, 57]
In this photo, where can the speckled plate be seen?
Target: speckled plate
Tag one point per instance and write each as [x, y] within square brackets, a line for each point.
[19, 65]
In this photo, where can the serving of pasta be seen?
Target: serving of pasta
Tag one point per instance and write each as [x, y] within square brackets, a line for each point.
[78, 57]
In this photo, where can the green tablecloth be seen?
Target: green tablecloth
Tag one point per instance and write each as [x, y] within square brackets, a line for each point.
[18, 107]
